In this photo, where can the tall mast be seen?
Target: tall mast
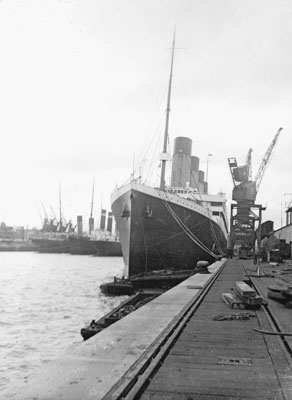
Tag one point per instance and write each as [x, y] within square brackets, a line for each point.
[91, 210]
[60, 205]
[164, 152]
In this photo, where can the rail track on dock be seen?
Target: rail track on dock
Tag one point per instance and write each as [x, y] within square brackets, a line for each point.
[275, 324]
[134, 382]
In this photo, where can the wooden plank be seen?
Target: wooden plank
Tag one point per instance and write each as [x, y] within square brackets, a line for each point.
[232, 301]
[234, 329]
[194, 368]
[220, 382]
[244, 290]
[206, 359]
[231, 352]
[213, 341]
[210, 395]
[245, 335]
[283, 314]
[281, 364]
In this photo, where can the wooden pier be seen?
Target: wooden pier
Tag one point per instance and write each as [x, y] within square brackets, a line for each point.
[220, 358]
[187, 344]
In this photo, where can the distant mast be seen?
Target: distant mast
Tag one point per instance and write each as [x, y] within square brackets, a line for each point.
[91, 221]
[60, 208]
[164, 152]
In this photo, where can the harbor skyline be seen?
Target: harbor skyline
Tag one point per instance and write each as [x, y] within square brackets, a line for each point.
[82, 92]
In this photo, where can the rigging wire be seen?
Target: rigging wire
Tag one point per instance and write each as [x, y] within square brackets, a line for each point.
[193, 237]
[148, 148]
[198, 193]
[193, 195]
[159, 104]
[187, 231]
[154, 156]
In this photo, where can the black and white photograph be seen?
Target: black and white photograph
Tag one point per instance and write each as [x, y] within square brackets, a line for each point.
[146, 199]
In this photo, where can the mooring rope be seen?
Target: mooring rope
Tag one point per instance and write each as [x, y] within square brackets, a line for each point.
[187, 231]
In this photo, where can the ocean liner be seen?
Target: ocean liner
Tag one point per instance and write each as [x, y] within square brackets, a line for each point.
[100, 242]
[53, 237]
[170, 228]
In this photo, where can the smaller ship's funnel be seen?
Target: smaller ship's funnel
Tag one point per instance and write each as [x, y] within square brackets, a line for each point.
[79, 225]
[102, 220]
[109, 222]
[91, 224]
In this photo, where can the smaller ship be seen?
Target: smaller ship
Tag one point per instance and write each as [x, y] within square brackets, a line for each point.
[54, 235]
[100, 242]
[15, 238]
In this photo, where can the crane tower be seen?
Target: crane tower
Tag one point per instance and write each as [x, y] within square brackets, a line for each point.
[245, 213]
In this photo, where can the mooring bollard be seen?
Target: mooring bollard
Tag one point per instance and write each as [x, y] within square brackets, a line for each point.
[202, 267]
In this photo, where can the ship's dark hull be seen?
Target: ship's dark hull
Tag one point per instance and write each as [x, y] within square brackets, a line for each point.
[17, 246]
[151, 237]
[52, 245]
[88, 246]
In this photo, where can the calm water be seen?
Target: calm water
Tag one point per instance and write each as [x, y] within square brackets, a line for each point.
[45, 299]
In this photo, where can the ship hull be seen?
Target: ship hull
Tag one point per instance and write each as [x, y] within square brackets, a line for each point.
[52, 245]
[151, 236]
[88, 246]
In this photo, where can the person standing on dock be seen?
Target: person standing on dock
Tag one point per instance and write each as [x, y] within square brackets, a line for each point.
[256, 252]
[269, 244]
[229, 252]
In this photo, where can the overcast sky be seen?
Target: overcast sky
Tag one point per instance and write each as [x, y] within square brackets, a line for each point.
[83, 86]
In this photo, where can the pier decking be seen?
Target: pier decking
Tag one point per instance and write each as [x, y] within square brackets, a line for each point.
[226, 359]
[186, 344]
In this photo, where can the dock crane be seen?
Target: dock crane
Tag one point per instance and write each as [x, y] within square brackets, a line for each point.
[245, 189]
[245, 213]
[240, 173]
[265, 160]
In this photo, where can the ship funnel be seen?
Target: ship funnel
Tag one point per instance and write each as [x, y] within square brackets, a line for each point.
[102, 220]
[91, 224]
[201, 181]
[205, 187]
[109, 222]
[79, 225]
[181, 162]
[195, 163]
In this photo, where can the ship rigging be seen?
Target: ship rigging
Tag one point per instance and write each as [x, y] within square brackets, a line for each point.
[170, 227]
